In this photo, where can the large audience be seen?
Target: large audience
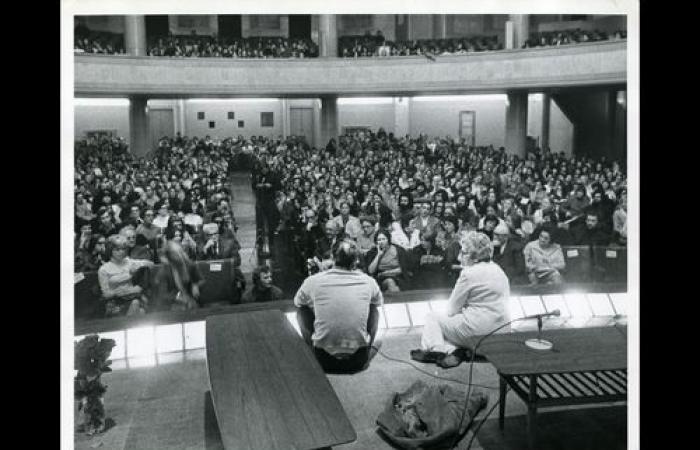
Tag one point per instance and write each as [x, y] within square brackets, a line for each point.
[566, 37]
[90, 41]
[376, 45]
[404, 200]
[252, 47]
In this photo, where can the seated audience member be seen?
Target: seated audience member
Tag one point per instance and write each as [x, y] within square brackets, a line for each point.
[338, 314]
[263, 290]
[193, 214]
[386, 262]
[449, 240]
[118, 280]
[177, 281]
[365, 241]
[323, 248]
[491, 221]
[427, 264]
[575, 206]
[216, 247]
[347, 222]
[147, 228]
[620, 222]
[185, 238]
[544, 259]
[508, 253]
[137, 245]
[591, 232]
[425, 222]
[478, 305]
[161, 220]
[106, 225]
[404, 235]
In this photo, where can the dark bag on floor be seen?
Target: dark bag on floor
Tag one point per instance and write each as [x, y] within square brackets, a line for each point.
[425, 416]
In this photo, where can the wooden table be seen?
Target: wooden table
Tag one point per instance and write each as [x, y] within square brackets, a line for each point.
[268, 390]
[586, 365]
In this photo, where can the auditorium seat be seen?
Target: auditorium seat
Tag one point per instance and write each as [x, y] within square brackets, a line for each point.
[218, 285]
[578, 264]
[87, 297]
[611, 263]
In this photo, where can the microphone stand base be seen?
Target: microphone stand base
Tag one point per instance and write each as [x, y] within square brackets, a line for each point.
[539, 344]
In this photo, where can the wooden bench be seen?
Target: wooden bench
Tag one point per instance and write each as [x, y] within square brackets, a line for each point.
[268, 390]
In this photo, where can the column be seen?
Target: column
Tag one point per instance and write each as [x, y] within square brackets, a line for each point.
[546, 108]
[517, 30]
[181, 117]
[439, 26]
[329, 119]
[402, 115]
[516, 123]
[327, 35]
[135, 35]
[285, 118]
[138, 125]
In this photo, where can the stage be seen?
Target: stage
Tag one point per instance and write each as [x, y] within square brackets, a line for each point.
[164, 403]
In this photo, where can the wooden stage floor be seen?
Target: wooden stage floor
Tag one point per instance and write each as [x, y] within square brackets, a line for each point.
[166, 405]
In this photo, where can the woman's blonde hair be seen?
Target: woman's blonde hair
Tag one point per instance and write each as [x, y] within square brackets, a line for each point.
[478, 246]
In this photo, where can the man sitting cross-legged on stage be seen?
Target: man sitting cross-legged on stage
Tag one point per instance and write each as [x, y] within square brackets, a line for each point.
[337, 312]
[478, 305]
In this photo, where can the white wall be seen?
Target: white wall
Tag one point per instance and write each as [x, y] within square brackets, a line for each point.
[436, 118]
[101, 117]
[246, 110]
[382, 22]
[441, 118]
[561, 131]
[420, 26]
[249, 30]
[373, 116]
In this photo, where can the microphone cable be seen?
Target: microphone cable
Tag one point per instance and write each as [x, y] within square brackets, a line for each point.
[419, 369]
[471, 369]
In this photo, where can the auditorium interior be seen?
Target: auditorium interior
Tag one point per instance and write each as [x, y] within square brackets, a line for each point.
[491, 122]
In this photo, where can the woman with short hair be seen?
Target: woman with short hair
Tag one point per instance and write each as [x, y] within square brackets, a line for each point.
[385, 263]
[118, 280]
[478, 305]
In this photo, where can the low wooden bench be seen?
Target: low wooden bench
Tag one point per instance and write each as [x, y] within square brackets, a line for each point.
[586, 365]
[268, 390]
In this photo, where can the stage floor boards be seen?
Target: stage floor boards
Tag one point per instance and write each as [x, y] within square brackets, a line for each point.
[167, 406]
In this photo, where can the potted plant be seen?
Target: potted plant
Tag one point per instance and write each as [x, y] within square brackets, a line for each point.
[91, 361]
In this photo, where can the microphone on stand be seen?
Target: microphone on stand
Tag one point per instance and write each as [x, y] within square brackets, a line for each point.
[538, 343]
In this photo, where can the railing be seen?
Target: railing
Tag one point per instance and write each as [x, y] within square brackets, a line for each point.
[575, 65]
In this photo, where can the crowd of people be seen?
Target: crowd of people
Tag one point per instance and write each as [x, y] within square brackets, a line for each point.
[90, 41]
[251, 47]
[376, 45]
[171, 209]
[406, 200]
[565, 37]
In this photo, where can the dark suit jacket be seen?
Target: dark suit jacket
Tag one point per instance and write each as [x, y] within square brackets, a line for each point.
[512, 260]
[227, 249]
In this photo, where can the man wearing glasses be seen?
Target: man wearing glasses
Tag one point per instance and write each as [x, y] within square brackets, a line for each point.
[215, 247]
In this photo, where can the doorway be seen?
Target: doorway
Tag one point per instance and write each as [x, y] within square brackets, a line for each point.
[300, 26]
[161, 122]
[467, 126]
[229, 26]
[301, 122]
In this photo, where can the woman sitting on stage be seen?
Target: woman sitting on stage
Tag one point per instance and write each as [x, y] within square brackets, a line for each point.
[477, 305]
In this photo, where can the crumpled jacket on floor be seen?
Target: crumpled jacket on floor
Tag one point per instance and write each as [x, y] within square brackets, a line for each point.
[426, 415]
